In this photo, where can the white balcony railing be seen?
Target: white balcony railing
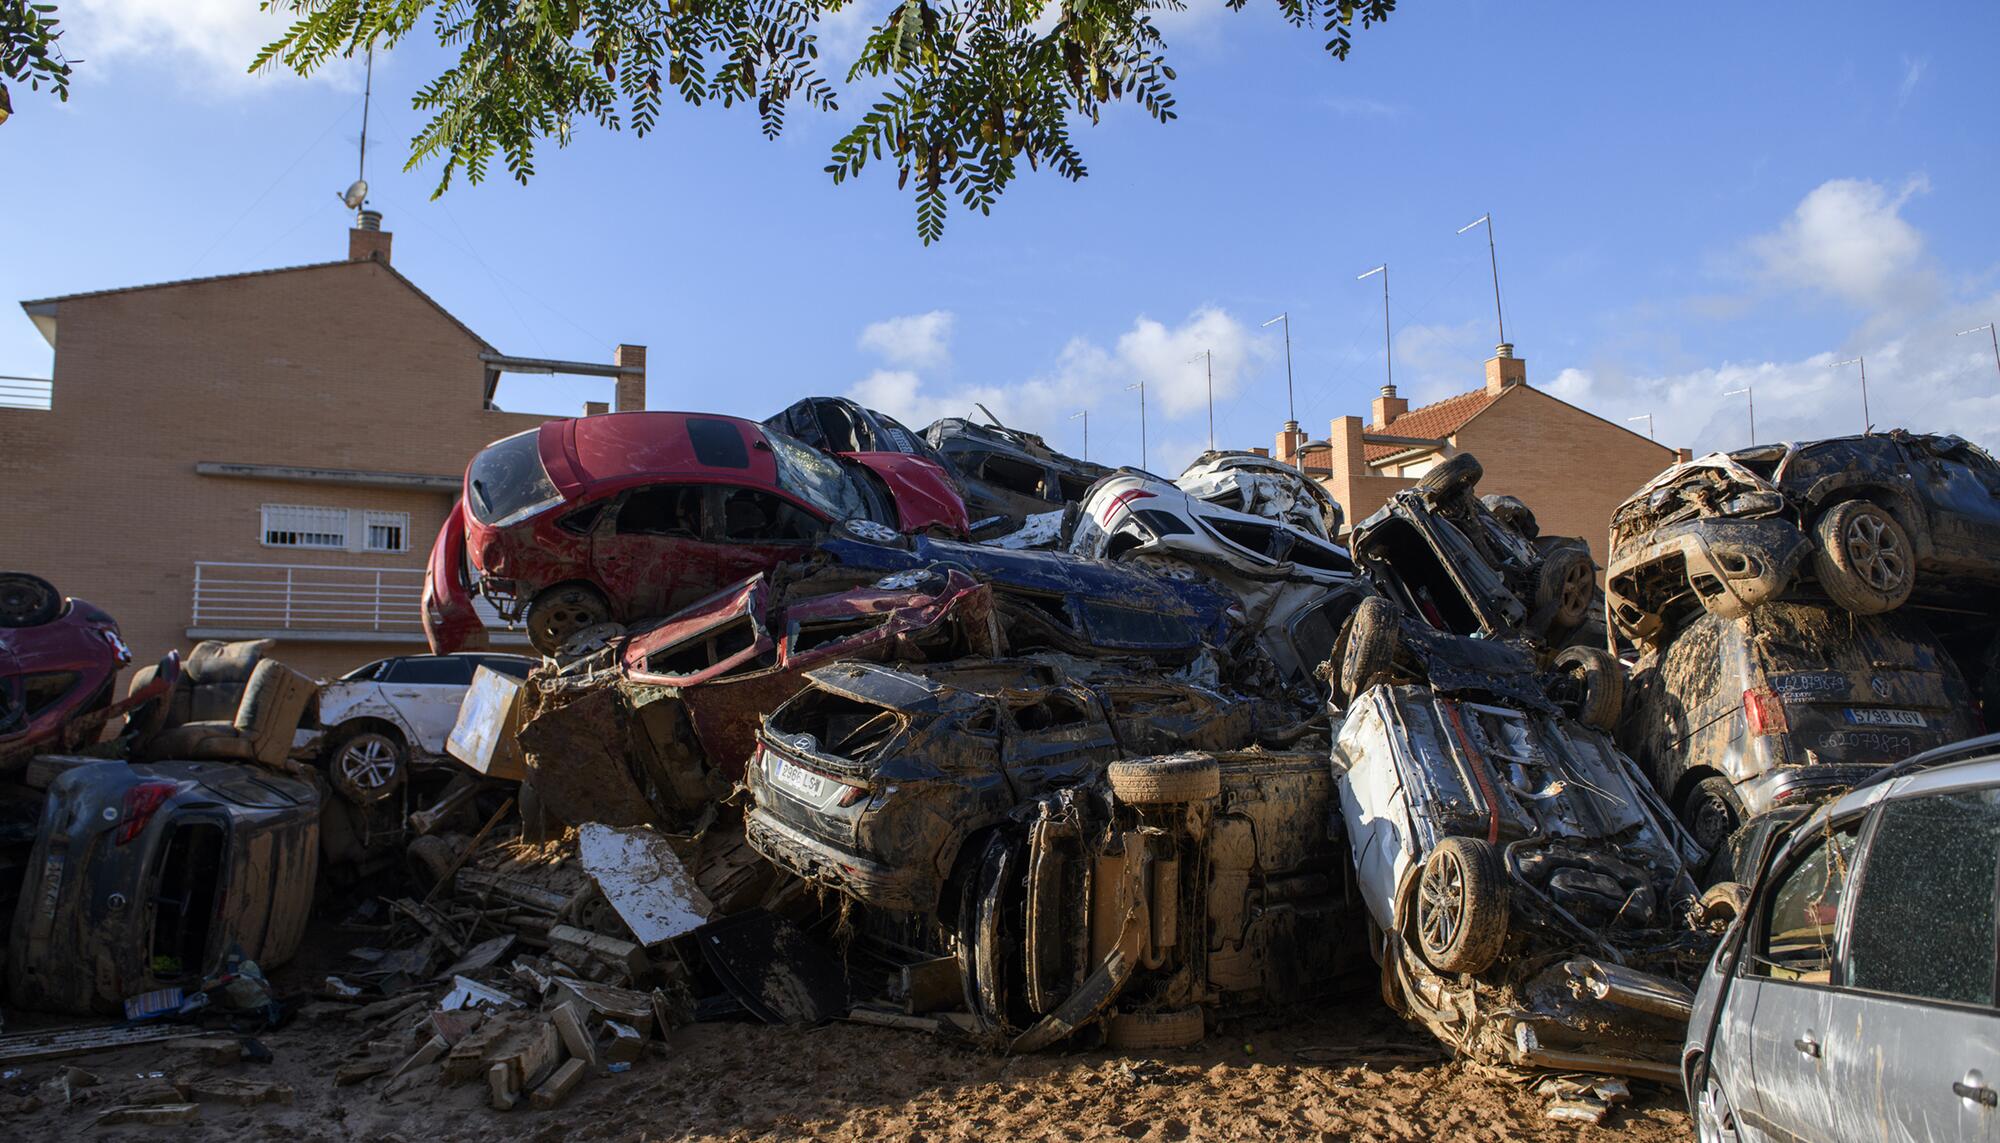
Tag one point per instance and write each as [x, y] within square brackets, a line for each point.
[308, 597]
[26, 393]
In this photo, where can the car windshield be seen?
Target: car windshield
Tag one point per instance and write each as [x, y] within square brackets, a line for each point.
[506, 481]
[819, 480]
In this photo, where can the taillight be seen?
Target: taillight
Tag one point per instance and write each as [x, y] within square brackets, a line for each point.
[852, 794]
[1764, 710]
[141, 803]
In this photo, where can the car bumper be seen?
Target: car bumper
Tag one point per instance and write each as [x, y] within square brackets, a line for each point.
[1798, 786]
[871, 882]
[1728, 565]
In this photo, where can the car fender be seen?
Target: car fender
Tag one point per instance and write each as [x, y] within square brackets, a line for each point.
[1897, 501]
[342, 703]
[924, 495]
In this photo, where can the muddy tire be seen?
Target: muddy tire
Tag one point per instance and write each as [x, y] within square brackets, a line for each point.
[1371, 647]
[1565, 587]
[562, 611]
[1452, 476]
[27, 600]
[367, 764]
[1510, 511]
[1165, 781]
[1461, 907]
[1598, 682]
[1173, 1028]
[1863, 558]
[1722, 903]
[1712, 813]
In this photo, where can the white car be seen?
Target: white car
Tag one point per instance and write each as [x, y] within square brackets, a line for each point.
[1261, 486]
[375, 720]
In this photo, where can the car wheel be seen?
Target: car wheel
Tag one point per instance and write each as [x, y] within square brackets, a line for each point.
[1510, 511]
[1371, 646]
[1723, 902]
[1451, 476]
[870, 532]
[562, 611]
[1714, 1119]
[1173, 1028]
[1596, 685]
[1462, 906]
[986, 950]
[1565, 587]
[1171, 780]
[27, 600]
[368, 765]
[1863, 558]
[1712, 813]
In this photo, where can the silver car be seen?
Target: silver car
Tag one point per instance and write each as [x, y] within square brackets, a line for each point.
[1854, 997]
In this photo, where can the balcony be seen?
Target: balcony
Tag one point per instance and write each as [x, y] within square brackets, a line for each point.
[317, 603]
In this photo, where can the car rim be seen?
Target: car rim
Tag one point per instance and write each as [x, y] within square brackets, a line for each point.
[567, 618]
[1443, 891]
[1876, 553]
[1715, 1123]
[1577, 587]
[18, 601]
[369, 762]
[1713, 823]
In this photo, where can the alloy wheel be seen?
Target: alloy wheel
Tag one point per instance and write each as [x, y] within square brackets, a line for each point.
[1441, 905]
[1877, 553]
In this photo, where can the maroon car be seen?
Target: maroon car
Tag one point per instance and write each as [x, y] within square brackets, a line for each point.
[627, 516]
[59, 659]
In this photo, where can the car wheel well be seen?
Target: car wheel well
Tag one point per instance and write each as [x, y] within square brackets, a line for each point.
[1690, 778]
[1891, 500]
[362, 724]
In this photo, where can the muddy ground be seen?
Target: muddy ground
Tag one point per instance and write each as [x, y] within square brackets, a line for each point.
[1330, 1077]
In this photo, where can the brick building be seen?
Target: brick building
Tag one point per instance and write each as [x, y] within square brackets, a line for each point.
[1571, 467]
[265, 454]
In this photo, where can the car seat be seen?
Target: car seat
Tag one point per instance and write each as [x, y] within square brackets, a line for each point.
[230, 705]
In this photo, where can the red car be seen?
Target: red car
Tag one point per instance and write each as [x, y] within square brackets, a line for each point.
[627, 516]
[59, 659]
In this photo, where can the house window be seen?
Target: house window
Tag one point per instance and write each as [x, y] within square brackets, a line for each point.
[388, 531]
[297, 526]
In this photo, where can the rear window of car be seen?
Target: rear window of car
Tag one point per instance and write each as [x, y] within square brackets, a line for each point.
[718, 444]
[506, 481]
[507, 665]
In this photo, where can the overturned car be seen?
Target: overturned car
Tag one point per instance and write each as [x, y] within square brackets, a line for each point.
[1008, 474]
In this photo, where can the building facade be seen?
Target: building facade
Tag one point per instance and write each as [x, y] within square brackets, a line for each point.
[1570, 467]
[258, 455]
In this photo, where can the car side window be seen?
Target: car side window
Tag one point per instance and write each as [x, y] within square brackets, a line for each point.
[1923, 910]
[662, 510]
[438, 670]
[507, 665]
[1802, 917]
[754, 516]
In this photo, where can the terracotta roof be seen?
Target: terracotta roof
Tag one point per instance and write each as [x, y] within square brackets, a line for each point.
[1437, 420]
[393, 272]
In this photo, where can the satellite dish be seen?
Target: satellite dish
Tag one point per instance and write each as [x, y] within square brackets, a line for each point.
[356, 195]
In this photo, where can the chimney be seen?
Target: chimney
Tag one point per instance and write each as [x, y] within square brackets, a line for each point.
[1504, 370]
[1387, 407]
[367, 241]
[596, 408]
[1289, 439]
[1260, 452]
[629, 391]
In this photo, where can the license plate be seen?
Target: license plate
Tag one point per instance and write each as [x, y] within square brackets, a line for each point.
[798, 779]
[1880, 716]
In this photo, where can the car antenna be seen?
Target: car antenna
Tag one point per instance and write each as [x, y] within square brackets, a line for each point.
[997, 423]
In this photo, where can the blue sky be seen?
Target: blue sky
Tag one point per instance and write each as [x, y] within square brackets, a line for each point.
[1683, 205]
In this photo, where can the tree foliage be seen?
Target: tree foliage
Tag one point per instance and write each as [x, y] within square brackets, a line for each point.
[970, 89]
[28, 50]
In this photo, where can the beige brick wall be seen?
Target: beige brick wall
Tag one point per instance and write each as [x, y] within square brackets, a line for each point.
[340, 366]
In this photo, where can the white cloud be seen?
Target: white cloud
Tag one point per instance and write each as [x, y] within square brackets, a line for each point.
[1847, 238]
[1913, 74]
[210, 42]
[917, 340]
[1363, 107]
[1162, 357]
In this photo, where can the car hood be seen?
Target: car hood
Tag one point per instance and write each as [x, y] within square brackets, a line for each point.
[925, 496]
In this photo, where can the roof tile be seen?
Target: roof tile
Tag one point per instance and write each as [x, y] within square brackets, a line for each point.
[1437, 419]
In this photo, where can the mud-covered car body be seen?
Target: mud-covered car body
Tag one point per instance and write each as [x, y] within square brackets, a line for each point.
[1729, 531]
[1854, 999]
[56, 680]
[146, 876]
[645, 513]
[1447, 557]
[1788, 702]
[1586, 880]
[872, 778]
[1260, 486]
[1008, 474]
[842, 426]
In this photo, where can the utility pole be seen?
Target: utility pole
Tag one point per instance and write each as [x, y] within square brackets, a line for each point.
[1857, 359]
[1388, 353]
[1085, 414]
[1988, 327]
[1648, 418]
[1493, 255]
[1753, 409]
[1207, 355]
[1141, 387]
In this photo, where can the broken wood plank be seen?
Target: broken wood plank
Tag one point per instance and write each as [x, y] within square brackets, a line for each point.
[557, 1087]
[76, 1041]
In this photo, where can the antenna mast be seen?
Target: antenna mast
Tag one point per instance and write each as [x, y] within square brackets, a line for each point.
[367, 95]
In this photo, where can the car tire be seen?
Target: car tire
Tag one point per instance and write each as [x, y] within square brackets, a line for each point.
[1712, 813]
[1451, 476]
[1511, 512]
[1722, 903]
[27, 600]
[367, 764]
[1462, 906]
[866, 531]
[1371, 646]
[985, 937]
[1565, 587]
[1165, 781]
[1863, 558]
[560, 612]
[1599, 684]
[1142, 1031]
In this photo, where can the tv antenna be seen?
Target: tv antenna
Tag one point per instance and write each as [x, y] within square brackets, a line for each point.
[356, 195]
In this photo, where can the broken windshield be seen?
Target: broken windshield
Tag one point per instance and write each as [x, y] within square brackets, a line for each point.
[819, 479]
[507, 482]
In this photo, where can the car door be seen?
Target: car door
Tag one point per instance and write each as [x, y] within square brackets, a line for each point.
[1913, 1038]
[655, 552]
[758, 530]
[1778, 1006]
[426, 691]
[1958, 485]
